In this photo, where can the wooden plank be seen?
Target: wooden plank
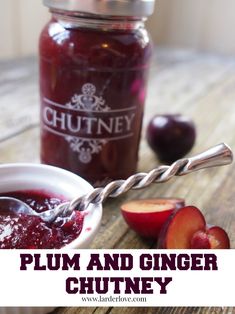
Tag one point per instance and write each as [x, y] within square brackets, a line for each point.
[75, 310]
[175, 310]
[148, 310]
[21, 148]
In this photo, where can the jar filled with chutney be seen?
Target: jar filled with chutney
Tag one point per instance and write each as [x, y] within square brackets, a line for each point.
[94, 61]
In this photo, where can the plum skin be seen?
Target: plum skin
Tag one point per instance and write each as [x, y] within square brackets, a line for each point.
[171, 136]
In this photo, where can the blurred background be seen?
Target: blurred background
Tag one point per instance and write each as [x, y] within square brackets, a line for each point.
[206, 25]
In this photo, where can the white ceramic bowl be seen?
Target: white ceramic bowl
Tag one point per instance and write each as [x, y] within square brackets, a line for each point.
[16, 177]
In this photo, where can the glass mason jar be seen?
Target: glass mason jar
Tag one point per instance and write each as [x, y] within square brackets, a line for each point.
[94, 60]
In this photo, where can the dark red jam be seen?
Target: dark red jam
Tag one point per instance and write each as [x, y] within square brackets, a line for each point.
[93, 87]
[19, 231]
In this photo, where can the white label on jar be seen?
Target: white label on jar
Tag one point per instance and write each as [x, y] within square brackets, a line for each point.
[85, 119]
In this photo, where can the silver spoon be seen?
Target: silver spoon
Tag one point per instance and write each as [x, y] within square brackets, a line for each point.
[218, 155]
[13, 204]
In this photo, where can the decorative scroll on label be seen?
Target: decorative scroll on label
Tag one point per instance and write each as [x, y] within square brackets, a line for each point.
[87, 100]
[85, 148]
[87, 123]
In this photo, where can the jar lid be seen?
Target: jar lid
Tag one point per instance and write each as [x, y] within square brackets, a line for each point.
[104, 7]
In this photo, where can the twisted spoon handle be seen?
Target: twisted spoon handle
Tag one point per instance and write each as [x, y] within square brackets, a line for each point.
[216, 156]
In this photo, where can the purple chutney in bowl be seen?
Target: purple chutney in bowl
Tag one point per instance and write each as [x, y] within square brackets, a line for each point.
[44, 187]
[21, 231]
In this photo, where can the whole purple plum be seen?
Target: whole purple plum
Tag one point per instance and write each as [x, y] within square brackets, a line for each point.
[171, 136]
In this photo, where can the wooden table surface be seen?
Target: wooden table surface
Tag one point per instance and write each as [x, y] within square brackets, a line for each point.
[201, 86]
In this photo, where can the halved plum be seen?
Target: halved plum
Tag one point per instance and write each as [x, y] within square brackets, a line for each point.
[187, 229]
[147, 216]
